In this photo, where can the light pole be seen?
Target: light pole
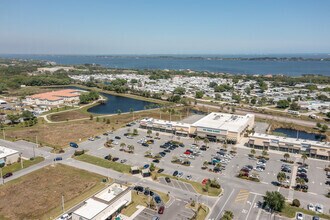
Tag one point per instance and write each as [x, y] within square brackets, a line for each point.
[3, 133]
[21, 160]
[3, 180]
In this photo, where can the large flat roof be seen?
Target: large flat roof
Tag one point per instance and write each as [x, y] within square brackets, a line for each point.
[291, 140]
[223, 121]
[111, 192]
[91, 208]
[4, 152]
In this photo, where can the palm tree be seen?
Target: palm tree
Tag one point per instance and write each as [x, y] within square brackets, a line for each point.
[157, 135]
[304, 157]
[149, 132]
[286, 156]
[205, 163]
[131, 148]
[174, 158]
[206, 141]
[122, 145]
[281, 176]
[264, 153]
[300, 181]
[147, 153]
[228, 215]
[196, 140]
[253, 152]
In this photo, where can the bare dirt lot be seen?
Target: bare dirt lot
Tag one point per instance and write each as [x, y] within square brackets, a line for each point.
[58, 135]
[38, 195]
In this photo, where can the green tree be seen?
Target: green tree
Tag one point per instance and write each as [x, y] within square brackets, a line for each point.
[304, 157]
[228, 215]
[196, 140]
[324, 128]
[286, 156]
[13, 118]
[318, 124]
[274, 200]
[281, 177]
[149, 132]
[122, 145]
[179, 90]
[206, 141]
[152, 167]
[91, 117]
[328, 114]
[283, 104]
[253, 152]
[108, 121]
[294, 106]
[199, 94]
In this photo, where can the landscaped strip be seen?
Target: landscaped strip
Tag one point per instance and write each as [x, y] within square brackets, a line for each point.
[197, 186]
[17, 166]
[123, 168]
[290, 212]
[141, 199]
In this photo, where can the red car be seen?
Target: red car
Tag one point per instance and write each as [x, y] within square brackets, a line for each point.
[187, 152]
[205, 181]
[161, 210]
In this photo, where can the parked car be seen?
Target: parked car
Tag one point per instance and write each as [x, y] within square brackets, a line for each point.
[145, 145]
[299, 216]
[123, 161]
[310, 207]
[160, 170]
[91, 139]
[175, 173]
[319, 208]
[117, 137]
[167, 179]
[155, 161]
[115, 159]
[205, 181]
[189, 177]
[74, 145]
[180, 174]
[138, 188]
[7, 175]
[146, 166]
[58, 158]
[97, 137]
[316, 218]
[157, 199]
[250, 167]
[161, 210]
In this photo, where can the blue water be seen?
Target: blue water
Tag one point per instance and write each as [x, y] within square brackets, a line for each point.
[124, 104]
[293, 68]
[301, 134]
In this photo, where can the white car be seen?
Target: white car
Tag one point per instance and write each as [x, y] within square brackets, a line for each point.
[183, 156]
[319, 208]
[189, 177]
[311, 207]
[115, 143]
[191, 157]
[64, 217]
[180, 174]
[91, 139]
[300, 216]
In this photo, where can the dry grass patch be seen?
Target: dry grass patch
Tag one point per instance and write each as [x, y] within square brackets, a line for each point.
[69, 115]
[35, 195]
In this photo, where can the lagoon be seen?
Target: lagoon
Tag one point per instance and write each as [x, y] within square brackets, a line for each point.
[113, 104]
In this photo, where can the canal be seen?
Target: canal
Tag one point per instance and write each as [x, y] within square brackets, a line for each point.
[300, 134]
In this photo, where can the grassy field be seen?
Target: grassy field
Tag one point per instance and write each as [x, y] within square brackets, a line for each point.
[141, 199]
[58, 135]
[123, 168]
[38, 195]
[290, 212]
[197, 186]
[17, 166]
[68, 115]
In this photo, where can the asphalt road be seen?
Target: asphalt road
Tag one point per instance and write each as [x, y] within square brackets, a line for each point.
[238, 195]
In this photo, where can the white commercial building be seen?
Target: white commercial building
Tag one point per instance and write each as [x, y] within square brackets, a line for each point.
[104, 205]
[214, 126]
[8, 156]
[223, 127]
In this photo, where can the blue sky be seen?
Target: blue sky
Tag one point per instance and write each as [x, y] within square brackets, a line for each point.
[164, 26]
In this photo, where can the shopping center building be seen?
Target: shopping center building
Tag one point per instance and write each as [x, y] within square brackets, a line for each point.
[314, 149]
[214, 126]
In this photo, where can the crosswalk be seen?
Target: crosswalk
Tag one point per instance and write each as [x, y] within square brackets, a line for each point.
[242, 196]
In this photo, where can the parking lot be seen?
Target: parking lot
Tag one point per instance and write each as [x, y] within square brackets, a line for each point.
[177, 184]
[230, 166]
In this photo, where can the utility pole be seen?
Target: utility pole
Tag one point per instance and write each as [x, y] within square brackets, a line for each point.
[3, 133]
[34, 152]
[63, 203]
[21, 160]
[1, 176]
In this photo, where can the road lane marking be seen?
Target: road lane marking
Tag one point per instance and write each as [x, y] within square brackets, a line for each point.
[258, 215]
[225, 204]
[247, 216]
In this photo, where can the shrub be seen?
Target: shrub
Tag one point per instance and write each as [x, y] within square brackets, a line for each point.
[296, 203]
[79, 152]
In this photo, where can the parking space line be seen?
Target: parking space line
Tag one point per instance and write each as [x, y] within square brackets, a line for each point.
[251, 207]
[224, 205]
